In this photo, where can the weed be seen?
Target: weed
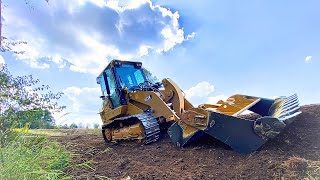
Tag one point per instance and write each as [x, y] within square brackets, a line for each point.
[33, 157]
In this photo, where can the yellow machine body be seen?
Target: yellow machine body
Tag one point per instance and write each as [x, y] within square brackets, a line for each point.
[134, 108]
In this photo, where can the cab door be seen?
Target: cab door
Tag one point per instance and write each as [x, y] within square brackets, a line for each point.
[114, 96]
[108, 88]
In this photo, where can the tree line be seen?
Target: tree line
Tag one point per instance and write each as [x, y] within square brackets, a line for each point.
[79, 126]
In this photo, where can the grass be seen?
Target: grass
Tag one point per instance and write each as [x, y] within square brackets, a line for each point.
[33, 157]
[79, 167]
[29, 154]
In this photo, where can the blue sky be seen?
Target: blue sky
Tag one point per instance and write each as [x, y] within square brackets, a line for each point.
[212, 49]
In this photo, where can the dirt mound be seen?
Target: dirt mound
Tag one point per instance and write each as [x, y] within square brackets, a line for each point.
[205, 159]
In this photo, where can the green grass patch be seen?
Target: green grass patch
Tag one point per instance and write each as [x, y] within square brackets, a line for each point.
[33, 157]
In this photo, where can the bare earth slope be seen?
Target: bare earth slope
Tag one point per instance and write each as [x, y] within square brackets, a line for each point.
[286, 156]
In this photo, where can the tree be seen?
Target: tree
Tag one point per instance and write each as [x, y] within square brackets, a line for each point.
[87, 126]
[36, 118]
[18, 97]
[21, 98]
[96, 125]
[80, 125]
[65, 126]
[73, 126]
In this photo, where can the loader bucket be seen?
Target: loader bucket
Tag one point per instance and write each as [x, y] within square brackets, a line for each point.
[241, 134]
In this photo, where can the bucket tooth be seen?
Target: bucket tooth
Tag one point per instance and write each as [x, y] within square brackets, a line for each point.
[289, 112]
[290, 106]
[289, 109]
[290, 118]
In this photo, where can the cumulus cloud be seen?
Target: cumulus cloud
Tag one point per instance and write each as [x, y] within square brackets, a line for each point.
[86, 33]
[2, 61]
[83, 105]
[82, 98]
[201, 89]
[308, 59]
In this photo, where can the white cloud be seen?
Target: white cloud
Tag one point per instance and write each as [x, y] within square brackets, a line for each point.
[122, 5]
[83, 106]
[88, 33]
[191, 36]
[144, 50]
[215, 99]
[308, 59]
[82, 98]
[202, 89]
[2, 61]
[70, 117]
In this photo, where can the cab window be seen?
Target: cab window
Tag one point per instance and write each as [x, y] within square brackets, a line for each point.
[112, 87]
[129, 76]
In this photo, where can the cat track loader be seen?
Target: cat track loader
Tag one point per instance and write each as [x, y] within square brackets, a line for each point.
[135, 108]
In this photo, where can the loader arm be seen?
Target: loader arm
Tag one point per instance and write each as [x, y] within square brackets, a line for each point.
[173, 94]
[154, 103]
[169, 103]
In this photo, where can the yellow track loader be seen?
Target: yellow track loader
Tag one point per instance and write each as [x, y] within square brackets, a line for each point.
[134, 108]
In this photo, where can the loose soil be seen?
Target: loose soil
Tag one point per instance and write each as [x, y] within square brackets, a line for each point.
[208, 158]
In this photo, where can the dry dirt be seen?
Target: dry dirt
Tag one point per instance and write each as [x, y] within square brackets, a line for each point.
[285, 157]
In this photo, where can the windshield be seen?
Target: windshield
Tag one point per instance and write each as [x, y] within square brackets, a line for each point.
[129, 76]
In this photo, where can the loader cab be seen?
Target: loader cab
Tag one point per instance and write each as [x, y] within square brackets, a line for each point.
[117, 76]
